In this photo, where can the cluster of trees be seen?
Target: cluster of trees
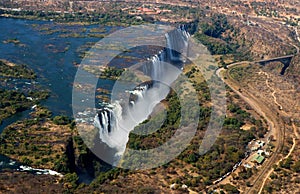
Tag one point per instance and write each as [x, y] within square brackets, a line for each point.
[111, 73]
[215, 46]
[32, 144]
[14, 101]
[290, 164]
[17, 101]
[217, 27]
[229, 149]
[116, 17]
[190, 73]
[61, 120]
[230, 189]
[166, 131]
[70, 181]
[16, 71]
[219, 36]
[281, 177]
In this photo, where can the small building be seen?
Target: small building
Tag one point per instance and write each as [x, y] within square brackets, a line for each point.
[261, 143]
[258, 159]
[184, 186]
[255, 148]
[247, 165]
[257, 145]
[260, 152]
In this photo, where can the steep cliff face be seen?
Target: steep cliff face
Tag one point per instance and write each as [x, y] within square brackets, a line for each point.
[293, 77]
[294, 69]
[87, 165]
[264, 39]
[70, 153]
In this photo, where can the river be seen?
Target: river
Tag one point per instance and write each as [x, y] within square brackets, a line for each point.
[52, 50]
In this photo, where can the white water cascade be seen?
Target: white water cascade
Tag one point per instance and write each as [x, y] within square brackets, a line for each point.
[177, 41]
[117, 122]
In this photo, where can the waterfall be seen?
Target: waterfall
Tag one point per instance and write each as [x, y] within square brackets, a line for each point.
[155, 66]
[107, 122]
[177, 41]
[140, 91]
[116, 122]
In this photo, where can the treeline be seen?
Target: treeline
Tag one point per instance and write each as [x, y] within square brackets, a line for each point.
[13, 102]
[212, 34]
[117, 17]
[221, 38]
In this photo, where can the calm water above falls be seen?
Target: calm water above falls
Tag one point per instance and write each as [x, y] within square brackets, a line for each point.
[46, 50]
[51, 56]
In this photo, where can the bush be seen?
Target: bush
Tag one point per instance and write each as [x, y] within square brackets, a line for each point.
[296, 166]
[215, 46]
[26, 161]
[230, 189]
[61, 120]
[71, 181]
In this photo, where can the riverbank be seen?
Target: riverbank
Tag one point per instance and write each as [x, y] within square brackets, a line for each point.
[46, 146]
[15, 100]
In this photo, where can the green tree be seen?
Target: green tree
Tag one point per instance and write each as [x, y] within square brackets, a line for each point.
[296, 166]
[61, 120]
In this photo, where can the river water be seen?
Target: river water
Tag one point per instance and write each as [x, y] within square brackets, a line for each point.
[54, 51]
[45, 48]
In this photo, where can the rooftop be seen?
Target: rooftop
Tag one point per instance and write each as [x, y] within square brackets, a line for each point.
[258, 158]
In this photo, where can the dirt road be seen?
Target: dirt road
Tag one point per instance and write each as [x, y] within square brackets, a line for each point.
[275, 123]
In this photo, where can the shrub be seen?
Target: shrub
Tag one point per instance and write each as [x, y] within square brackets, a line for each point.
[61, 120]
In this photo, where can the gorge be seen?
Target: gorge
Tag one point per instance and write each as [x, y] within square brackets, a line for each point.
[116, 123]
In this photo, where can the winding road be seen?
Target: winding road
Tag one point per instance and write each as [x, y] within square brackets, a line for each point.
[293, 125]
[275, 123]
